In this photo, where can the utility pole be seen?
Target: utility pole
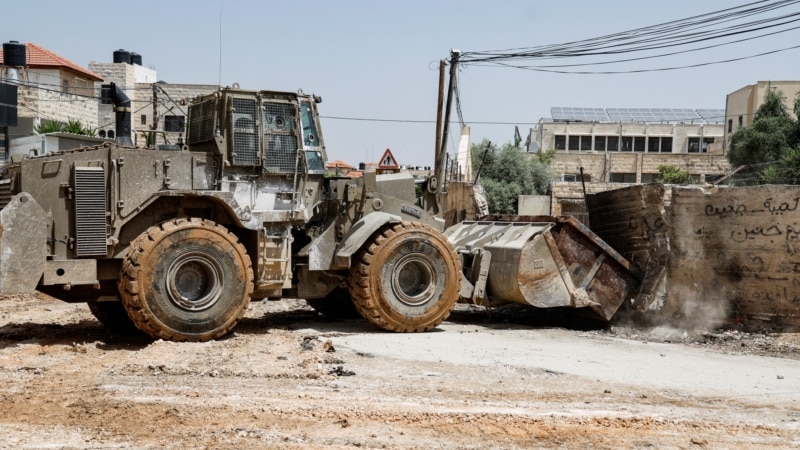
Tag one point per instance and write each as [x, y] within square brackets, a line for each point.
[440, 168]
[151, 140]
[439, 107]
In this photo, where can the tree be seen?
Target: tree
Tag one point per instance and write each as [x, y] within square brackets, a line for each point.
[768, 148]
[508, 172]
[672, 175]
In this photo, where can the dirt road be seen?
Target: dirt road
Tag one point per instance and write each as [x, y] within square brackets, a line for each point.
[289, 378]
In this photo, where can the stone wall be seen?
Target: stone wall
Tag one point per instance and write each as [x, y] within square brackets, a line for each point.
[137, 83]
[57, 95]
[601, 166]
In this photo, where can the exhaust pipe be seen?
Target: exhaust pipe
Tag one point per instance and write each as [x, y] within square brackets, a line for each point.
[112, 94]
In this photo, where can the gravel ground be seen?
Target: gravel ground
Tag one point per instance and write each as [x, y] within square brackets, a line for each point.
[290, 378]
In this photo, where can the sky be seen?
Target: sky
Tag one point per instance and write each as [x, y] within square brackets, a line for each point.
[379, 59]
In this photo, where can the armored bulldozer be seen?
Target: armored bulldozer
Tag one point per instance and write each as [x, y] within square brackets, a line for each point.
[176, 243]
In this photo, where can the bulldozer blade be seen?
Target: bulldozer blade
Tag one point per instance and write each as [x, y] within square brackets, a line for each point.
[23, 231]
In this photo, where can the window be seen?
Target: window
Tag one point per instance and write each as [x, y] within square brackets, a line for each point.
[586, 143]
[600, 143]
[65, 86]
[730, 125]
[110, 134]
[666, 145]
[575, 177]
[174, 123]
[649, 177]
[623, 178]
[700, 145]
[694, 145]
[574, 143]
[741, 121]
[659, 144]
[81, 86]
[560, 142]
[612, 143]
[627, 144]
[101, 133]
[706, 142]
[143, 119]
[638, 143]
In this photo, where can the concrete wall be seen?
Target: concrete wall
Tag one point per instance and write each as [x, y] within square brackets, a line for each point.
[733, 253]
[463, 201]
[533, 205]
[42, 144]
[736, 253]
[633, 221]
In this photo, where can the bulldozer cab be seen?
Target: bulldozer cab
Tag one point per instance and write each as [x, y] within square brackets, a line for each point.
[276, 132]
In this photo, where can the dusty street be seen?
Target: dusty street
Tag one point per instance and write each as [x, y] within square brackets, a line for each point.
[289, 378]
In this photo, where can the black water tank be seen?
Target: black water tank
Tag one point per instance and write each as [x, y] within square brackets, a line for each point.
[362, 166]
[14, 54]
[136, 58]
[122, 56]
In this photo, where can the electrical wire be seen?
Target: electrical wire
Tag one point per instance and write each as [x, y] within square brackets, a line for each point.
[727, 27]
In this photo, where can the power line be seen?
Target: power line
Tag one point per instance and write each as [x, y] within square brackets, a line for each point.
[365, 119]
[660, 69]
[743, 20]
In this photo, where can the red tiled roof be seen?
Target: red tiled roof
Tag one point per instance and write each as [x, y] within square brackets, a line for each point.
[338, 164]
[42, 58]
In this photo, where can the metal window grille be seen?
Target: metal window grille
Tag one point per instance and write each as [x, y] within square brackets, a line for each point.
[245, 132]
[201, 122]
[280, 137]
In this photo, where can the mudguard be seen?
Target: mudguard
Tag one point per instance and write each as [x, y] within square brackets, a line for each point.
[358, 235]
[23, 245]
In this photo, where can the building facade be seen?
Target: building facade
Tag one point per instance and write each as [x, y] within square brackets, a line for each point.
[601, 149]
[741, 105]
[158, 109]
[51, 88]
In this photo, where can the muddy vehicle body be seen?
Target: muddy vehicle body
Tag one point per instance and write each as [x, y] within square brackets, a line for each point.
[177, 242]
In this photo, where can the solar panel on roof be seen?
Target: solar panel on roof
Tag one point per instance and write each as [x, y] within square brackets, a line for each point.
[637, 114]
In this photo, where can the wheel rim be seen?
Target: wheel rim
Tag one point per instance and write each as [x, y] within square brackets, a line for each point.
[194, 282]
[413, 280]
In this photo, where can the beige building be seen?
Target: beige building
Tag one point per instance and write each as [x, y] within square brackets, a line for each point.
[741, 105]
[615, 147]
[50, 87]
[150, 98]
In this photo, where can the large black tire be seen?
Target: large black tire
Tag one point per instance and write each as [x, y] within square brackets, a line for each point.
[112, 314]
[336, 305]
[186, 280]
[406, 278]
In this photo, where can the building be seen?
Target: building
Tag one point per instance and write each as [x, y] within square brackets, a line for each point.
[158, 108]
[609, 148]
[50, 87]
[741, 105]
